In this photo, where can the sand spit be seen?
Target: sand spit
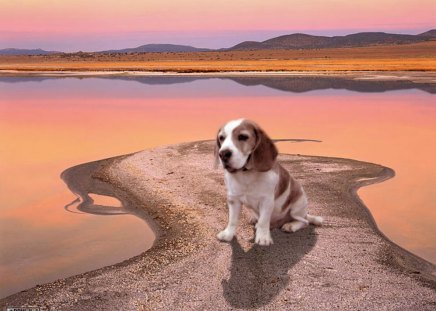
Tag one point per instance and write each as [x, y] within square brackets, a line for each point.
[344, 265]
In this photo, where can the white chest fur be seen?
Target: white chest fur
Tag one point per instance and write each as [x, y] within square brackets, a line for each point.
[251, 187]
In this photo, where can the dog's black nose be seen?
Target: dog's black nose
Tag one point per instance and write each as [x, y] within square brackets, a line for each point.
[225, 154]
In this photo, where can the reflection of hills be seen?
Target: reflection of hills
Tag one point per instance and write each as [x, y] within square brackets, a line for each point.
[141, 79]
[288, 84]
[158, 80]
[306, 84]
[300, 84]
[8, 79]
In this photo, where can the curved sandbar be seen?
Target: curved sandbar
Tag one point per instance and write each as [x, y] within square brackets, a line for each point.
[345, 264]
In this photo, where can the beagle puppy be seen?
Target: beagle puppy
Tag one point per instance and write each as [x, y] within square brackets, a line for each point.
[254, 179]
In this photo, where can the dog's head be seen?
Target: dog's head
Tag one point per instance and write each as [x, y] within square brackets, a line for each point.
[243, 145]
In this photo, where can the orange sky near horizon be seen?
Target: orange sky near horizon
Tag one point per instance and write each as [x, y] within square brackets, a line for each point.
[56, 20]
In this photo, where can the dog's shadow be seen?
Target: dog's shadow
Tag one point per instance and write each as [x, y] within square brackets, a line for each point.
[258, 275]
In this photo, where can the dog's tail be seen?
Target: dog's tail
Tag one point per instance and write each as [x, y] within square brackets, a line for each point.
[316, 220]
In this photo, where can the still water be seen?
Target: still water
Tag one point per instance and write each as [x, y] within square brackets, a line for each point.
[50, 124]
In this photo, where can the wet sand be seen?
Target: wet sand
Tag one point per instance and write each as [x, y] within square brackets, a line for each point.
[345, 264]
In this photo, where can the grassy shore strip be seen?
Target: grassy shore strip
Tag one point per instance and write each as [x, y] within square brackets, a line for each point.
[326, 65]
[406, 57]
[343, 265]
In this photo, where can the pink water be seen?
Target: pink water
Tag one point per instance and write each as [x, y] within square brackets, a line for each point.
[49, 125]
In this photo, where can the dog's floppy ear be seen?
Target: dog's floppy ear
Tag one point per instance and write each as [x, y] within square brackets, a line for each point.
[216, 151]
[264, 153]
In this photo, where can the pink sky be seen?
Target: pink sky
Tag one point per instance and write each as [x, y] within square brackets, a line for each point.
[104, 24]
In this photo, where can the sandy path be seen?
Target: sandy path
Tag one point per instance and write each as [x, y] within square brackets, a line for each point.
[344, 265]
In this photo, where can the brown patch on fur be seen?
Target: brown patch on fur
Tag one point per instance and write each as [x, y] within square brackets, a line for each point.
[294, 194]
[248, 145]
[284, 179]
[264, 152]
[280, 222]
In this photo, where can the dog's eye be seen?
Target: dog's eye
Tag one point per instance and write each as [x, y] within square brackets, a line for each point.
[242, 137]
[221, 138]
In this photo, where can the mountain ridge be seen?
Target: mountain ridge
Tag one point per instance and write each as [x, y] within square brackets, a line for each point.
[286, 42]
[361, 39]
[14, 51]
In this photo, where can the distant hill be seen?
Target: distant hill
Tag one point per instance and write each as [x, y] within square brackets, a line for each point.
[431, 33]
[158, 48]
[304, 41]
[13, 51]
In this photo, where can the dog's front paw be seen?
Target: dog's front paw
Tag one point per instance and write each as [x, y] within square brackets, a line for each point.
[263, 238]
[225, 236]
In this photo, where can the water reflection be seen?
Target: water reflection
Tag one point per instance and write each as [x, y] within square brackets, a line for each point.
[294, 84]
[301, 84]
[307, 84]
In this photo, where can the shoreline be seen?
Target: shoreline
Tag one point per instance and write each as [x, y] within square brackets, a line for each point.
[417, 77]
[185, 228]
[409, 261]
[175, 72]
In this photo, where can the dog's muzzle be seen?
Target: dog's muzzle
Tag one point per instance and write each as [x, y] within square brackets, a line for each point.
[225, 155]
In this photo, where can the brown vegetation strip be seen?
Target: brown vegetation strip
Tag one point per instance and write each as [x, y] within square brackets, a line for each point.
[411, 57]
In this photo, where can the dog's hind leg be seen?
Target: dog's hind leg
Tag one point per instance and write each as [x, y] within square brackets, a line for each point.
[315, 220]
[293, 226]
[298, 212]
